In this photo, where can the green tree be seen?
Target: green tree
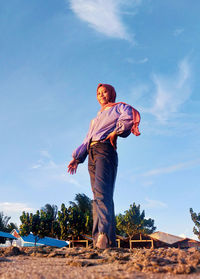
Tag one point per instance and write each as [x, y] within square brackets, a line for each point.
[25, 227]
[82, 208]
[196, 219]
[77, 218]
[50, 210]
[71, 221]
[37, 224]
[120, 225]
[50, 213]
[4, 222]
[11, 226]
[76, 222]
[133, 222]
[5, 226]
[63, 220]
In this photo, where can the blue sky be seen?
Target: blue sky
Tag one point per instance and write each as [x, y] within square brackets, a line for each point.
[52, 56]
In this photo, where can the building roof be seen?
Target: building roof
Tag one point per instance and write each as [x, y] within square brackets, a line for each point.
[48, 241]
[166, 237]
[88, 237]
[7, 235]
[190, 240]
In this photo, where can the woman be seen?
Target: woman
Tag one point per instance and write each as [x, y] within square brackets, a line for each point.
[113, 120]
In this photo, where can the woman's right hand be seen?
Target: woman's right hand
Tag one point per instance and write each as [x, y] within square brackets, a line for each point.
[72, 167]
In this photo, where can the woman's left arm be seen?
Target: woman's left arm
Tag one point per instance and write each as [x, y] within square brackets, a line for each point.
[125, 121]
[124, 124]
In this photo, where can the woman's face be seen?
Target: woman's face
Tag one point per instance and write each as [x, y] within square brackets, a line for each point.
[103, 96]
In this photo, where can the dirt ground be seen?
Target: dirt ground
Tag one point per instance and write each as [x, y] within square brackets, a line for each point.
[81, 263]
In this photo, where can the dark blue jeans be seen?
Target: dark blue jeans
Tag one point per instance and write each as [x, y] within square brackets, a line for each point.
[102, 166]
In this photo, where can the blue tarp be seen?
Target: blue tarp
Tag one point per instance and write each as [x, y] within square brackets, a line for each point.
[48, 241]
[7, 235]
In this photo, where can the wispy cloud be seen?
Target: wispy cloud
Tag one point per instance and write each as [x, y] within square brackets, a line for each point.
[172, 168]
[44, 161]
[154, 204]
[147, 183]
[144, 60]
[14, 210]
[103, 15]
[46, 172]
[45, 153]
[36, 166]
[171, 92]
[138, 92]
[14, 207]
[178, 31]
[140, 61]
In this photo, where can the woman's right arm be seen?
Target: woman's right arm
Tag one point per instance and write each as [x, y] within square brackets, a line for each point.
[72, 167]
[79, 154]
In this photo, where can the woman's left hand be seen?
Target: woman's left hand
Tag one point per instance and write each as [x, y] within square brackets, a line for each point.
[113, 139]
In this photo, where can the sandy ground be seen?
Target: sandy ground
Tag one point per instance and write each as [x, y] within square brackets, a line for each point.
[83, 263]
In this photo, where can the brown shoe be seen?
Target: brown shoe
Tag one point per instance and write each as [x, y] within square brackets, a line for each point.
[102, 241]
